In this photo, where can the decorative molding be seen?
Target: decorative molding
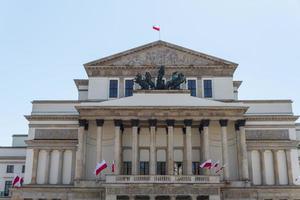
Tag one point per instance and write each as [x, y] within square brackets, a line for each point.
[268, 134]
[56, 134]
[152, 122]
[271, 117]
[118, 122]
[135, 122]
[99, 122]
[51, 117]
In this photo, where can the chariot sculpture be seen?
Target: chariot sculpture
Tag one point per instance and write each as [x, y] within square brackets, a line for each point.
[146, 82]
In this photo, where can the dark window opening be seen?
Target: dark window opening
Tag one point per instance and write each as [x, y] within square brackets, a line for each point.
[113, 88]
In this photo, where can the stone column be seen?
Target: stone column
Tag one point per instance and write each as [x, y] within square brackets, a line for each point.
[223, 124]
[263, 167]
[117, 146]
[243, 146]
[80, 151]
[152, 124]
[238, 147]
[60, 166]
[289, 166]
[170, 124]
[188, 146]
[99, 123]
[73, 165]
[206, 153]
[35, 158]
[275, 165]
[47, 166]
[135, 146]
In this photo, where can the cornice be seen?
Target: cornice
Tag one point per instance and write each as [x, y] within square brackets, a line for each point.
[271, 144]
[51, 117]
[207, 70]
[79, 82]
[271, 117]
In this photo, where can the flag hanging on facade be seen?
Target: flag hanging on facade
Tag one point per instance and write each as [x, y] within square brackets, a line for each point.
[100, 167]
[207, 164]
[113, 167]
[216, 164]
[17, 181]
[157, 28]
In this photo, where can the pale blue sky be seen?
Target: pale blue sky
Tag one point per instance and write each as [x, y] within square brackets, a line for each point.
[43, 44]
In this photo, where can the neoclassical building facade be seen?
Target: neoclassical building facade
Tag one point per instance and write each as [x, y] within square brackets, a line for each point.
[157, 139]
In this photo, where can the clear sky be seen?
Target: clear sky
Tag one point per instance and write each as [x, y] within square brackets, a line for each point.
[43, 44]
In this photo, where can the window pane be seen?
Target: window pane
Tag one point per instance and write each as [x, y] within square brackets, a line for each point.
[196, 168]
[207, 88]
[113, 88]
[192, 87]
[127, 168]
[161, 168]
[7, 187]
[10, 169]
[128, 88]
[144, 168]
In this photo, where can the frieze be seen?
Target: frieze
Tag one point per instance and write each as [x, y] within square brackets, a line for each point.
[267, 134]
[56, 134]
[164, 190]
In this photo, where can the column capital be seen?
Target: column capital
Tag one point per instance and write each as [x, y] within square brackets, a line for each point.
[205, 122]
[99, 122]
[200, 128]
[241, 122]
[152, 122]
[236, 126]
[170, 122]
[135, 122]
[82, 122]
[118, 122]
[188, 122]
[223, 122]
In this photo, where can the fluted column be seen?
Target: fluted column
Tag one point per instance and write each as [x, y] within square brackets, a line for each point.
[289, 166]
[223, 124]
[99, 123]
[60, 166]
[243, 146]
[152, 124]
[188, 146]
[170, 124]
[80, 151]
[117, 151]
[47, 166]
[275, 165]
[263, 167]
[135, 143]
[35, 158]
[206, 153]
[73, 165]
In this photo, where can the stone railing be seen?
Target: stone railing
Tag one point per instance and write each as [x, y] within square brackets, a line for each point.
[161, 179]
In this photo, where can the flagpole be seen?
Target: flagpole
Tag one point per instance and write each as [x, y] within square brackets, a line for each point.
[159, 34]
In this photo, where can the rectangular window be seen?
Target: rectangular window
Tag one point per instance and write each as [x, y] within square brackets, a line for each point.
[144, 168]
[178, 167]
[207, 88]
[23, 169]
[196, 168]
[128, 87]
[192, 87]
[113, 88]
[9, 169]
[161, 168]
[7, 187]
[126, 168]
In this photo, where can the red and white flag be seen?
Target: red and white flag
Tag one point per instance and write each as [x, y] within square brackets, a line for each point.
[113, 167]
[100, 167]
[207, 164]
[17, 181]
[216, 164]
[157, 28]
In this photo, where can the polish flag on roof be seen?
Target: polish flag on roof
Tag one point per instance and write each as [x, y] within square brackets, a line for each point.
[100, 167]
[216, 164]
[157, 28]
[113, 167]
[207, 164]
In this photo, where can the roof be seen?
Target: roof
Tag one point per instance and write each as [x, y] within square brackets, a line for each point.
[160, 43]
[162, 100]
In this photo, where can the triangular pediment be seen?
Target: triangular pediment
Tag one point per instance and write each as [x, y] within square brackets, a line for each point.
[160, 53]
